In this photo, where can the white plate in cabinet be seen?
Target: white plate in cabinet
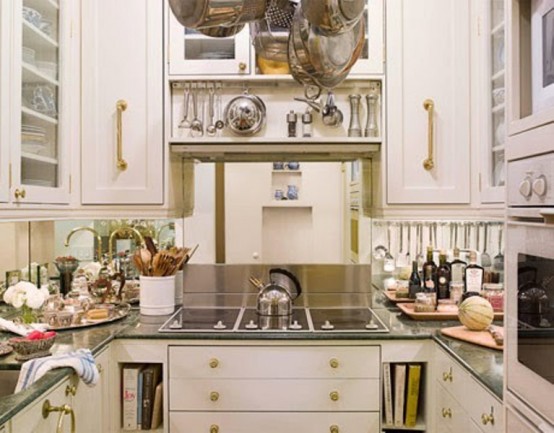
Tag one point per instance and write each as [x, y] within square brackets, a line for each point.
[484, 408]
[274, 362]
[253, 395]
[449, 414]
[451, 376]
[274, 422]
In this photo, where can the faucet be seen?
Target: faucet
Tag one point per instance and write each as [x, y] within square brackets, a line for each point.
[123, 230]
[170, 226]
[94, 232]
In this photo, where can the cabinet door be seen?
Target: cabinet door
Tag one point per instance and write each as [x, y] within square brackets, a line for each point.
[4, 100]
[192, 53]
[428, 59]
[372, 59]
[122, 102]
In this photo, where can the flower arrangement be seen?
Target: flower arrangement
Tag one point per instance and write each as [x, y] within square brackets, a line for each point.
[27, 297]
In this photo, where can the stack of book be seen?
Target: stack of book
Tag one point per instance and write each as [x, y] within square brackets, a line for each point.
[401, 390]
[142, 396]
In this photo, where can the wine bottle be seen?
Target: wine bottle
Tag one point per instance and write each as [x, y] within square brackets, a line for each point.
[415, 282]
[474, 275]
[430, 275]
[443, 277]
[457, 267]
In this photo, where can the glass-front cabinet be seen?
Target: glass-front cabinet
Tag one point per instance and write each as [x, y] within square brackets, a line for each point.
[371, 60]
[491, 97]
[38, 142]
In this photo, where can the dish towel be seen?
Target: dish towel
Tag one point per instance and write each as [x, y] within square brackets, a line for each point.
[81, 361]
[22, 330]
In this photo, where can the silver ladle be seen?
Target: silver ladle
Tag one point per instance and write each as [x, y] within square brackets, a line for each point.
[211, 128]
[197, 128]
[185, 123]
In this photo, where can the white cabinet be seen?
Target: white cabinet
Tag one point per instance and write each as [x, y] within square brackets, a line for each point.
[4, 101]
[428, 60]
[122, 160]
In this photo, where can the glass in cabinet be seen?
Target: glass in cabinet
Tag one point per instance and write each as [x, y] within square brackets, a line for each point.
[38, 154]
[372, 59]
[193, 53]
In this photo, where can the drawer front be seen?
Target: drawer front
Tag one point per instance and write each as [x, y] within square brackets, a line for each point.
[180, 422]
[451, 375]
[517, 423]
[449, 414]
[274, 395]
[484, 408]
[275, 362]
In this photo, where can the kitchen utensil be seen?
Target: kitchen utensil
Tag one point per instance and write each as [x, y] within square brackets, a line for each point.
[245, 115]
[498, 261]
[281, 12]
[333, 16]
[371, 122]
[420, 258]
[219, 124]
[485, 257]
[389, 265]
[400, 254]
[409, 245]
[331, 115]
[185, 123]
[196, 126]
[197, 14]
[211, 129]
[355, 128]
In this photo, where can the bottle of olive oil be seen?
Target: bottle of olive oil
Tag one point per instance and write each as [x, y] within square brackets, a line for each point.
[457, 267]
[474, 275]
[430, 275]
[415, 282]
[443, 277]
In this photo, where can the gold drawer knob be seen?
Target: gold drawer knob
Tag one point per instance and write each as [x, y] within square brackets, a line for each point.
[334, 363]
[242, 66]
[70, 390]
[334, 395]
[448, 376]
[446, 413]
[100, 368]
[214, 363]
[487, 418]
[334, 429]
[19, 193]
[214, 396]
[214, 428]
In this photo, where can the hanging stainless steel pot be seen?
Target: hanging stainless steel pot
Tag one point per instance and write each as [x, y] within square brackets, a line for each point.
[222, 32]
[333, 16]
[245, 115]
[197, 14]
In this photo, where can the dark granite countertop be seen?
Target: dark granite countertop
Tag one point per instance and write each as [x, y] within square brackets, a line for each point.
[485, 364]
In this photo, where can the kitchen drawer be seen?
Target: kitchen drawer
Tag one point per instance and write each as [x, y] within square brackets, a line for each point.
[451, 375]
[223, 422]
[449, 414]
[274, 362]
[483, 407]
[290, 395]
[517, 423]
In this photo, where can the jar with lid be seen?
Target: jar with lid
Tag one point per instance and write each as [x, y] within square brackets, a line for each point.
[424, 303]
[494, 293]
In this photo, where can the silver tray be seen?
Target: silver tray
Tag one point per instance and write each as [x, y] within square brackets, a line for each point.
[121, 311]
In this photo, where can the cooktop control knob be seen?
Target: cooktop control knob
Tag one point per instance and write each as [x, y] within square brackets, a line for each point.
[327, 326]
[371, 324]
[525, 187]
[220, 325]
[539, 186]
[295, 326]
[251, 325]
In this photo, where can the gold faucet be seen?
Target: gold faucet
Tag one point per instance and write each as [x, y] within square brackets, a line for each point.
[94, 232]
[123, 230]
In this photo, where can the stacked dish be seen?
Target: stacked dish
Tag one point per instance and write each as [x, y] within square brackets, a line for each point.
[33, 138]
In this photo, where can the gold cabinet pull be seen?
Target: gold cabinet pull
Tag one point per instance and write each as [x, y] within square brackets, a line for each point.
[447, 376]
[334, 395]
[214, 428]
[19, 193]
[121, 106]
[429, 163]
[334, 429]
[70, 390]
[214, 363]
[446, 413]
[334, 363]
[100, 368]
[64, 410]
[242, 66]
[214, 396]
[487, 418]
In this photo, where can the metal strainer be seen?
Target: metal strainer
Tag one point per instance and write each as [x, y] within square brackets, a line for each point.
[279, 13]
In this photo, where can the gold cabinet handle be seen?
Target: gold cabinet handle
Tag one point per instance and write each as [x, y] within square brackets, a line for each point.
[447, 376]
[429, 163]
[214, 396]
[214, 428]
[334, 429]
[446, 413]
[487, 418]
[100, 368]
[121, 106]
[70, 390]
[214, 363]
[334, 363]
[64, 410]
[19, 193]
[334, 395]
[242, 66]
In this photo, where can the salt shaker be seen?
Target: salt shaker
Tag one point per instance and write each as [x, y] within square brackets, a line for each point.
[371, 124]
[355, 128]
[291, 120]
[307, 123]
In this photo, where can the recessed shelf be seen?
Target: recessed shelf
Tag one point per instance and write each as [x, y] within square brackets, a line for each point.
[288, 203]
[39, 116]
[31, 74]
[36, 39]
[276, 140]
[287, 172]
[420, 426]
[39, 158]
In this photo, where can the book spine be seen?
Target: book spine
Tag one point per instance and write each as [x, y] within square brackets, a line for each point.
[139, 399]
[129, 393]
[399, 389]
[387, 387]
[414, 379]
[147, 392]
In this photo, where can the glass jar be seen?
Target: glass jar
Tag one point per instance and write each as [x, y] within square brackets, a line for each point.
[424, 303]
[494, 293]
[456, 292]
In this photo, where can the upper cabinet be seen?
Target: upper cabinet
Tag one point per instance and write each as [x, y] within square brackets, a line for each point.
[122, 157]
[4, 101]
[39, 105]
[372, 58]
[428, 99]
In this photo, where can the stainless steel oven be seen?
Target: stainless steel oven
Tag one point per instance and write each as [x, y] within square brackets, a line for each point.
[530, 286]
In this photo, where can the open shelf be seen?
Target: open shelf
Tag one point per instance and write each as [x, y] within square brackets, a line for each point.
[499, 28]
[499, 75]
[31, 74]
[499, 108]
[39, 158]
[36, 39]
[39, 116]
[288, 203]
